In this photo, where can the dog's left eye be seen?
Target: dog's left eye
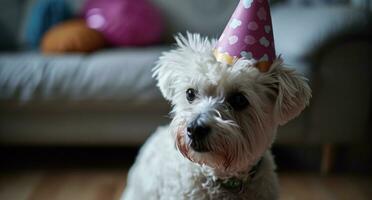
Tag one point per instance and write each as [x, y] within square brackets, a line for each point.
[238, 101]
[190, 94]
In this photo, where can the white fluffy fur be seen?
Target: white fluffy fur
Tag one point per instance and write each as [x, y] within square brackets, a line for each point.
[168, 168]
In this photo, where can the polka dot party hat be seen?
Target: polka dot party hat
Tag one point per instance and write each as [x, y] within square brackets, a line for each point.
[248, 34]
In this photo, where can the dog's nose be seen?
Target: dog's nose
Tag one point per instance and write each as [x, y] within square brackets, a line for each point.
[198, 130]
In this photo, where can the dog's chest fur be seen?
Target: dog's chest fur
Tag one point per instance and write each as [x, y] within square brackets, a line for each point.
[161, 172]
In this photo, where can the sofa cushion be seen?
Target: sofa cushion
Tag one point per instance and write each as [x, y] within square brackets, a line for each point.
[71, 36]
[207, 18]
[300, 30]
[116, 75]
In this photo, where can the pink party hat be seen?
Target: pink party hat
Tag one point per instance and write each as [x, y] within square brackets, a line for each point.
[248, 34]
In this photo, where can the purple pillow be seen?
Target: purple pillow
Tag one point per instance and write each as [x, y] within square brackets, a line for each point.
[125, 22]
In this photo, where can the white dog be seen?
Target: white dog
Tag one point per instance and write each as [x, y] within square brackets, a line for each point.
[225, 119]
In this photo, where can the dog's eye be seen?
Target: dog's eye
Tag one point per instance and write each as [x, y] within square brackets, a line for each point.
[190, 94]
[238, 101]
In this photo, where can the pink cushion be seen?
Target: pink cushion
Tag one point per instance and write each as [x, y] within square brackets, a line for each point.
[125, 22]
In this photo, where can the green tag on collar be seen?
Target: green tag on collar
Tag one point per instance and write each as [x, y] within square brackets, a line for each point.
[235, 185]
[232, 184]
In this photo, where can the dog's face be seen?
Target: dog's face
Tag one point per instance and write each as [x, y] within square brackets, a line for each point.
[226, 116]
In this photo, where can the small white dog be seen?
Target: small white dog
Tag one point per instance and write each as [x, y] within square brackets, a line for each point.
[225, 119]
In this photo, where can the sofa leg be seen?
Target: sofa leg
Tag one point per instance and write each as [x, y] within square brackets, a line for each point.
[327, 158]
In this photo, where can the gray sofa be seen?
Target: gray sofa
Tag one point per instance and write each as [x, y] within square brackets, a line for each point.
[109, 97]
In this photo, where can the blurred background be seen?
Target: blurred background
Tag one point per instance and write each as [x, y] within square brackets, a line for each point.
[77, 98]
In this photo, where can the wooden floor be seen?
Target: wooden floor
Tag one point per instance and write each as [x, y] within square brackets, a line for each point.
[108, 184]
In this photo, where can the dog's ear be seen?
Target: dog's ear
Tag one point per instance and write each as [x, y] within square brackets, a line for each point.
[173, 65]
[293, 93]
[166, 75]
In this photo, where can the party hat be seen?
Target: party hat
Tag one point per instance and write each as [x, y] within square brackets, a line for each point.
[248, 34]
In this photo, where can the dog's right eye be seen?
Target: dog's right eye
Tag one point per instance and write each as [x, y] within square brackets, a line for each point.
[190, 94]
[238, 101]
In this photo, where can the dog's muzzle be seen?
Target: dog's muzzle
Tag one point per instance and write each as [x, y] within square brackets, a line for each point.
[197, 132]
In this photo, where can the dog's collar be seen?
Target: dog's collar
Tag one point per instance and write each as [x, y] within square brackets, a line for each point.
[235, 184]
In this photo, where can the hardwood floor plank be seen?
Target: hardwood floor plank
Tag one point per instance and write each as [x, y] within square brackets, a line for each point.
[348, 187]
[302, 187]
[313, 186]
[80, 185]
[108, 184]
[18, 185]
